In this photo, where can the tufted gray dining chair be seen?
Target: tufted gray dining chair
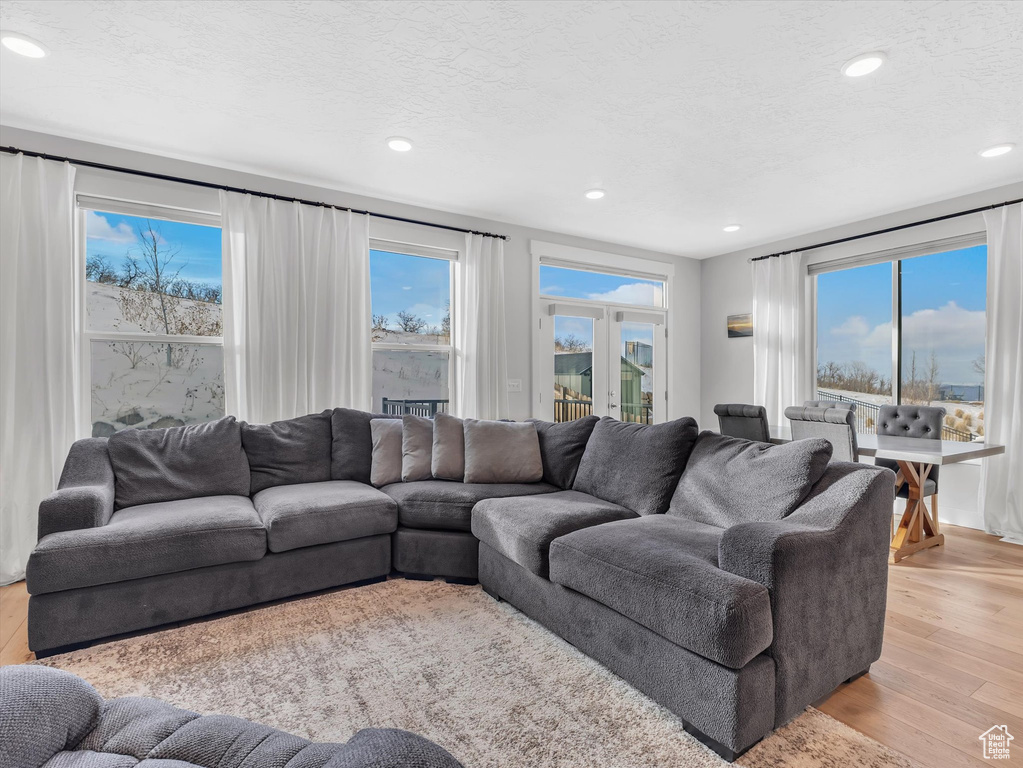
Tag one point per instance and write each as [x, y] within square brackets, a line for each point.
[918, 421]
[829, 404]
[836, 425]
[746, 421]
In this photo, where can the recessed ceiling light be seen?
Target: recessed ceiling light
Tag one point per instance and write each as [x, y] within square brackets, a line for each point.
[863, 65]
[594, 194]
[23, 45]
[995, 151]
[732, 228]
[398, 144]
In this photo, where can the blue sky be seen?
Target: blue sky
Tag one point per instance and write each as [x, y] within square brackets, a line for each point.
[415, 284]
[580, 284]
[114, 236]
[943, 305]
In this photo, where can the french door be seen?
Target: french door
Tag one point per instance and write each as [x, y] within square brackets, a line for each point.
[602, 359]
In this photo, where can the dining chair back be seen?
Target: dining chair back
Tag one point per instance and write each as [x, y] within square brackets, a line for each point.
[922, 422]
[746, 421]
[829, 404]
[836, 425]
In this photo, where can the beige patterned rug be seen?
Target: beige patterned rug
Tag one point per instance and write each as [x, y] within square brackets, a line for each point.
[476, 676]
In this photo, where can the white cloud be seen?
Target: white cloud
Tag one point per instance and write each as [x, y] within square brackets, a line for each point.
[949, 328]
[855, 326]
[98, 228]
[406, 287]
[645, 294]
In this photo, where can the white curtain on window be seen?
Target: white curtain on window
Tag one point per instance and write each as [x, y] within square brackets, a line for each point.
[297, 308]
[781, 334]
[481, 382]
[1001, 478]
[38, 345]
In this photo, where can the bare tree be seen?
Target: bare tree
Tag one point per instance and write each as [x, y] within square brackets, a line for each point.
[570, 343]
[410, 323]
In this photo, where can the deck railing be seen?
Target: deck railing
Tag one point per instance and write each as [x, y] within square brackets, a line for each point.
[867, 415]
[425, 408]
[570, 410]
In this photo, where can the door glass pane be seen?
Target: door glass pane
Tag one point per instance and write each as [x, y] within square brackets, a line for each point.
[635, 397]
[573, 367]
[411, 298]
[600, 286]
[854, 340]
[144, 385]
[944, 298]
[152, 276]
[410, 381]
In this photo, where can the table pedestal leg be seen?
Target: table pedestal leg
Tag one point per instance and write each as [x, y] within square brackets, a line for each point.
[918, 528]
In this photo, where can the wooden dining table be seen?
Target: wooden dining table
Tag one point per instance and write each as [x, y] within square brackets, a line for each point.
[919, 528]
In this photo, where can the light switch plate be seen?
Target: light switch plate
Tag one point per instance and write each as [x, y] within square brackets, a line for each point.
[514, 385]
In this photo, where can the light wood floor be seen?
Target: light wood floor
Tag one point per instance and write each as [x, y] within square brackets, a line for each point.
[952, 664]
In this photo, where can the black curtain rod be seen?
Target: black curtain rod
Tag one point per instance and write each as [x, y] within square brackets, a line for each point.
[890, 229]
[210, 185]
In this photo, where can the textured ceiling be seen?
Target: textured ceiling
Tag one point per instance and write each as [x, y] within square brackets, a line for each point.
[692, 115]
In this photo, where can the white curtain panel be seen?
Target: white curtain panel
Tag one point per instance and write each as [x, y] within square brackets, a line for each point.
[481, 349]
[781, 334]
[38, 345]
[1001, 477]
[297, 308]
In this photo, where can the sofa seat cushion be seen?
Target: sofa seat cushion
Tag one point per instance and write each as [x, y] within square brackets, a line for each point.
[522, 529]
[447, 505]
[307, 514]
[148, 540]
[649, 571]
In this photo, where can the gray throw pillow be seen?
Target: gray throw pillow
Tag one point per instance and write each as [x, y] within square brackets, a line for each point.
[561, 448]
[351, 448]
[501, 452]
[288, 452]
[636, 465]
[386, 454]
[416, 448]
[448, 461]
[730, 480]
[152, 465]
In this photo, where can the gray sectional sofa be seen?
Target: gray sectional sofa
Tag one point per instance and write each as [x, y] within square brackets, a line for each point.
[53, 719]
[733, 582]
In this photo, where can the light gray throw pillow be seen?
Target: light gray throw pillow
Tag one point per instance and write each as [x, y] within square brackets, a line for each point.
[416, 448]
[501, 452]
[448, 462]
[386, 465]
[730, 480]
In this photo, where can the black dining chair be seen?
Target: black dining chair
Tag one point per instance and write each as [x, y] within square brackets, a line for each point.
[746, 421]
[836, 425]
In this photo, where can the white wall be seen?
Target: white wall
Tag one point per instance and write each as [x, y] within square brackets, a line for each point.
[684, 338]
[726, 365]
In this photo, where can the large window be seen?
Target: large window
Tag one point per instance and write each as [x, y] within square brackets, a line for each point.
[153, 323]
[907, 331]
[411, 298]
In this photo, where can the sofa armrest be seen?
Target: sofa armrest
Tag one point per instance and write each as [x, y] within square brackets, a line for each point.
[825, 567]
[85, 494]
[43, 711]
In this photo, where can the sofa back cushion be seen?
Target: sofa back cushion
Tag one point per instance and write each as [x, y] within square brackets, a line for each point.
[636, 465]
[730, 480]
[416, 448]
[561, 448]
[386, 453]
[351, 448]
[448, 458]
[152, 465]
[288, 452]
[501, 452]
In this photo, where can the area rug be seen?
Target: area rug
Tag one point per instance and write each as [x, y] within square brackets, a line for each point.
[490, 685]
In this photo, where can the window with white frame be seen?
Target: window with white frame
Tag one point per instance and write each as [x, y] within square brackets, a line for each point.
[410, 289]
[906, 327]
[152, 327]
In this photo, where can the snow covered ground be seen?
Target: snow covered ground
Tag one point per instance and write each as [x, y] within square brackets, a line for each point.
[132, 384]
